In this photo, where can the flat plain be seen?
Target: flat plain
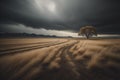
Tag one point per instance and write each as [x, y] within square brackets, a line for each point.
[59, 59]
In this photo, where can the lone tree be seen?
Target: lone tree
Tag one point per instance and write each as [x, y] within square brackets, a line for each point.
[87, 31]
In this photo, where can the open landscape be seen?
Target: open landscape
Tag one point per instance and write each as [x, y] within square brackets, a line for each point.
[59, 59]
[60, 40]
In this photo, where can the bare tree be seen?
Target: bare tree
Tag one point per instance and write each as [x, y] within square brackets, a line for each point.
[87, 31]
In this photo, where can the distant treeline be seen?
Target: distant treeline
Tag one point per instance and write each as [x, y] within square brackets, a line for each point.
[9, 35]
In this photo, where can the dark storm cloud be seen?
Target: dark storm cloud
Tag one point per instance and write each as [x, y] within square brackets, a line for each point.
[62, 14]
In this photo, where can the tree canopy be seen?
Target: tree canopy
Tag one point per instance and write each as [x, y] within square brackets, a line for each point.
[87, 31]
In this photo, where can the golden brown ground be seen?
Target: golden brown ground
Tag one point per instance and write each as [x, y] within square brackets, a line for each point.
[59, 59]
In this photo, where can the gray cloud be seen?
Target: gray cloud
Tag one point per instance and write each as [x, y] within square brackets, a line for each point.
[62, 14]
[20, 28]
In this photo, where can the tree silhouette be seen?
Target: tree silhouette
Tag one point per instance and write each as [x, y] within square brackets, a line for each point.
[87, 31]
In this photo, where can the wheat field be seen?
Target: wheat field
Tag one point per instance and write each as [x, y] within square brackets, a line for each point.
[59, 59]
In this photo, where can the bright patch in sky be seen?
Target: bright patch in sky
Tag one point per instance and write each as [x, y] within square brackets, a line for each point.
[46, 5]
[52, 6]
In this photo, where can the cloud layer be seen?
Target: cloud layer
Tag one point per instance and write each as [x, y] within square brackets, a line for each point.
[20, 28]
[67, 15]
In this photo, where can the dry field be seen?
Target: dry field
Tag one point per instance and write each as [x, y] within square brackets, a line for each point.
[59, 59]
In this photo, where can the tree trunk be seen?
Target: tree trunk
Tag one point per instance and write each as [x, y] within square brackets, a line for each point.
[87, 36]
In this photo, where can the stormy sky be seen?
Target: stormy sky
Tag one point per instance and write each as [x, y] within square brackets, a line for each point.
[59, 17]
